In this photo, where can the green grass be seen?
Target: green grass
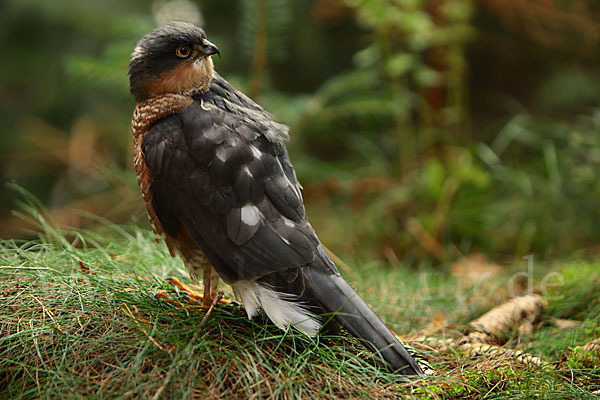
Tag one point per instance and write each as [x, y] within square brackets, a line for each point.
[99, 332]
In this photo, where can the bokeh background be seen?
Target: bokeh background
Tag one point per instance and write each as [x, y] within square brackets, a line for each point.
[422, 130]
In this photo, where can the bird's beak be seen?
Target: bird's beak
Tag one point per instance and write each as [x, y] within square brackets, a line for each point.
[208, 49]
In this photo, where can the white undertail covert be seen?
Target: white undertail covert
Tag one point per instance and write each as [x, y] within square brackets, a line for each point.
[279, 307]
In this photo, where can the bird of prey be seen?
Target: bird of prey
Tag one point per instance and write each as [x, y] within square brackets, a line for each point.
[219, 186]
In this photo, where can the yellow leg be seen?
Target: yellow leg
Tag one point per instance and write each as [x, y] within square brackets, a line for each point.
[194, 296]
[207, 286]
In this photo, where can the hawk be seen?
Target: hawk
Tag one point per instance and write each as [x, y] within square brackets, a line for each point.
[219, 186]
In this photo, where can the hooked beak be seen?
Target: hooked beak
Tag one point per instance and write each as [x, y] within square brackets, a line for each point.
[208, 49]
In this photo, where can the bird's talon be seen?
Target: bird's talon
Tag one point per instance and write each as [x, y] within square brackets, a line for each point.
[160, 294]
[179, 286]
[227, 302]
[190, 296]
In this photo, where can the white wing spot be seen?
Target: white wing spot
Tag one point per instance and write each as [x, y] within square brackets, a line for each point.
[256, 152]
[220, 153]
[251, 215]
[289, 222]
[205, 107]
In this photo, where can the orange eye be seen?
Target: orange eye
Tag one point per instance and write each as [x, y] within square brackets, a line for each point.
[183, 51]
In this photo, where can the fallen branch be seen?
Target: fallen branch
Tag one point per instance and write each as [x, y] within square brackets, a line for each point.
[505, 318]
[487, 330]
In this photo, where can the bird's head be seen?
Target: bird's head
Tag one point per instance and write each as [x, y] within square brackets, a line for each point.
[171, 59]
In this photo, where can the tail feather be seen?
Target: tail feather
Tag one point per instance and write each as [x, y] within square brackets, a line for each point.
[338, 297]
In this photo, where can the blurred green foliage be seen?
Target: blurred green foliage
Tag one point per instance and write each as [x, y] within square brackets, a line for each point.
[422, 130]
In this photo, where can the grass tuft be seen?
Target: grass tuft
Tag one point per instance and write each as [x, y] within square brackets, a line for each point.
[79, 319]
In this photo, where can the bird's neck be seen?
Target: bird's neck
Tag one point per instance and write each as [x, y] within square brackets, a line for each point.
[150, 110]
[181, 85]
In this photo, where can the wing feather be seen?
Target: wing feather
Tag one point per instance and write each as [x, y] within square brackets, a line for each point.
[233, 189]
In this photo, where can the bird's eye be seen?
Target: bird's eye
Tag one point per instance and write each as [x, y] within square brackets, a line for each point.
[183, 51]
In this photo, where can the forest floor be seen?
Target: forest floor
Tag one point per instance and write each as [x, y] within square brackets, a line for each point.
[79, 318]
